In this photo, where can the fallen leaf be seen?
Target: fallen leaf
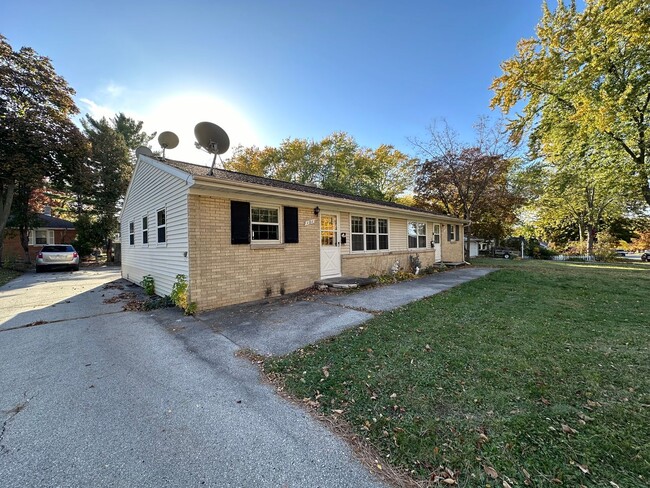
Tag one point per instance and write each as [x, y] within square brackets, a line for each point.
[506, 484]
[583, 468]
[568, 430]
[450, 481]
[379, 466]
[526, 473]
[338, 411]
[614, 484]
[394, 395]
[428, 347]
[326, 372]
[556, 481]
[491, 472]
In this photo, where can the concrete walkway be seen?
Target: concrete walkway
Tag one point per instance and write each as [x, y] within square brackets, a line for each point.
[281, 326]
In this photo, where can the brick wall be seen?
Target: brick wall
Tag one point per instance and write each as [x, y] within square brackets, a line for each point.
[380, 264]
[224, 274]
[452, 251]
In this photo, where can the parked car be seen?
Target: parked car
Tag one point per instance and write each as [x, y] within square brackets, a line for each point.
[620, 252]
[59, 256]
[505, 253]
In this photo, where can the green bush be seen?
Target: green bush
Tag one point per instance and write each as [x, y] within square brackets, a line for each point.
[180, 295]
[148, 284]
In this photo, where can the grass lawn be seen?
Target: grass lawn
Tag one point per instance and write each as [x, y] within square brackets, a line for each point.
[6, 275]
[536, 375]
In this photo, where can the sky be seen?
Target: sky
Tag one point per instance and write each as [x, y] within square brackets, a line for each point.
[265, 71]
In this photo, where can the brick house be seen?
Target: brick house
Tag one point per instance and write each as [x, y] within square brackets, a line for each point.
[239, 238]
[51, 230]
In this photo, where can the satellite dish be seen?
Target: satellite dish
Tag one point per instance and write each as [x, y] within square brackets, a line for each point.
[167, 140]
[143, 150]
[213, 139]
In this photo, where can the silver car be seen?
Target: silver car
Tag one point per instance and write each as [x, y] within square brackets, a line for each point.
[60, 255]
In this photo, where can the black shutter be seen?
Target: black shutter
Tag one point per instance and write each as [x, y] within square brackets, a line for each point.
[458, 233]
[290, 225]
[449, 232]
[240, 214]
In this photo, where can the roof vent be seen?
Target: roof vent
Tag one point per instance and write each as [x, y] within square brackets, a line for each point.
[47, 210]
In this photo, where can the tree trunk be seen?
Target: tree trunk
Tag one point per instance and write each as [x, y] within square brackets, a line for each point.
[109, 250]
[24, 243]
[590, 239]
[467, 243]
[6, 199]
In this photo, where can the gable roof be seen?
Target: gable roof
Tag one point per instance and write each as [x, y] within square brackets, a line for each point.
[222, 174]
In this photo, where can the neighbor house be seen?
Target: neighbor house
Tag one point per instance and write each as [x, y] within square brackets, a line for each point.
[240, 238]
[50, 230]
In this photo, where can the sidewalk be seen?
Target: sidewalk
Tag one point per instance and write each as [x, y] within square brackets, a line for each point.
[279, 327]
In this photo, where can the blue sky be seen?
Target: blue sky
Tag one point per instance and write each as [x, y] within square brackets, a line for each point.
[268, 70]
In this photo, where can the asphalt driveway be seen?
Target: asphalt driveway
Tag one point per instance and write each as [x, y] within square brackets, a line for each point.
[95, 396]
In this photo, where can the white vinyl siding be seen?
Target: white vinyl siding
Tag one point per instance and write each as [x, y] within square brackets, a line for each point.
[152, 189]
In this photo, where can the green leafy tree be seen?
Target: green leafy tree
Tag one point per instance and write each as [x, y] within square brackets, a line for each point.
[335, 163]
[39, 140]
[584, 76]
[111, 170]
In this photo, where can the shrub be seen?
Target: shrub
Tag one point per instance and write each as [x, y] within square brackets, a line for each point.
[180, 295]
[148, 284]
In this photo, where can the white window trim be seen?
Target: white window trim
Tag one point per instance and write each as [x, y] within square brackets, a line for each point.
[158, 243]
[142, 229]
[417, 238]
[451, 231]
[437, 234]
[363, 223]
[261, 242]
[132, 233]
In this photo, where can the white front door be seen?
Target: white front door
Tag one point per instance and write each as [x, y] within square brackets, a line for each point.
[437, 245]
[330, 251]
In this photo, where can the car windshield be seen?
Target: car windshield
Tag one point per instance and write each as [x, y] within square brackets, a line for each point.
[57, 249]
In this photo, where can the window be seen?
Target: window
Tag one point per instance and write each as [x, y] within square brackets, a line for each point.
[369, 233]
[161, 220]
[265, 224]
[131, 233]
[417, 235]
[436, 233]
[145, 230]
[41, 237]
[450, 233]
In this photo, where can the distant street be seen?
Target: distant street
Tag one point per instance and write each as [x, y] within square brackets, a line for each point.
[101, 397]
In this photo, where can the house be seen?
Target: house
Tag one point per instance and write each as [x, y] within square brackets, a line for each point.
[50, 230]
[478, 246]
[239, 238]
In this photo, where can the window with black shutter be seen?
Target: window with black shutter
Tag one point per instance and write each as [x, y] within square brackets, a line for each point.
[240, 222]
[290, 225]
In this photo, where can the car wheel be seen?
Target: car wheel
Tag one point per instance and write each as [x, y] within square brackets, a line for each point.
[40, 269]
[644, 257]
[75, 268]
[506, 256]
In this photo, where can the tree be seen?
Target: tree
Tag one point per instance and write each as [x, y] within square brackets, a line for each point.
[584, 76]
[469, 181]
[39, 140]
[336, 163]
[111, 172]
[131, 130]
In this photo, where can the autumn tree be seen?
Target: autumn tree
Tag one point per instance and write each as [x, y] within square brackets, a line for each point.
[585, 75]
[470, 181]
[336, 163]
[39, 140]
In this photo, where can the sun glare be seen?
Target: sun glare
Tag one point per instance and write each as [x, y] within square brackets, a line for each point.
[180, 113]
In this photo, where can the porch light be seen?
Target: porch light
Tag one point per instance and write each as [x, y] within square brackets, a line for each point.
[316, 211]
